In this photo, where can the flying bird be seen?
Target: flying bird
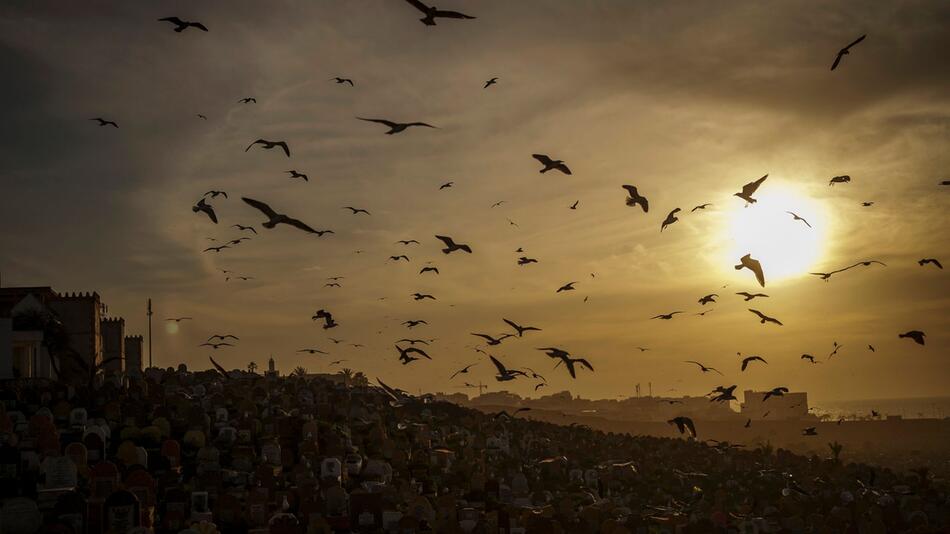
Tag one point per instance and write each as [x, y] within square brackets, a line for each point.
[405, 352]
[521, 329]
[700, 207]
[407, 242]
[703, 368]
[432, 12]
[665, 316]
[749, 359]
[916, 335]
[749, 296]
[215, 194]
[274, 218]
[566, 287]
[337, 79]
[267, 145]
[399, 257]
[248, 100]
[182, 25]
[178, 319]
[103, 122]
[422, 296]
[840, 180]
[749, 189]
[809, 357]
[574, 205]
[867, 204]
[796, 217]
[569, 363]
[294, 174]
[396, 127]
[524, 260]
[707, 299]
[313, 351]
[219, 368]
[496, 204]
[551, 164]
[327, 320]
[748, 262]
[446, 185]
[683, 424]
[775, 392]
[505, 374]
[670, 219]
[493, 340]
[845, 51]
[634, 198]
[205, 208]
[765, 318]
[451, 246]
[934, 261]
[429, 269]
[216, 346]
[215, 249]
[463, 370]
[202, 117]
[491, 81]
[243, 228]
[413, 341]
[355, 210]
[412, 323]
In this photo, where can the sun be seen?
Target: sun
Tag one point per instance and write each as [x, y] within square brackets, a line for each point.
[171, 327]
[785, 247]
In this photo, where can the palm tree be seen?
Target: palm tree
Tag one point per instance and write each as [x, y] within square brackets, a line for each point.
[252, 367]
[359, 380]
[835, 450]
[299, 372]
[347, 376]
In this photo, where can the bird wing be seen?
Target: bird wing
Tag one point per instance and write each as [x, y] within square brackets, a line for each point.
[837, 60]
[174, 20]
[447, 240]
[451, 14]
[689, 424]
[751, 187]
[486, 336]
[391, 124]
[419, 5]
[261, 206]
[199, 25]
[498, 365]
[856, 41]
[543, 159]
[563, 168]
[421, 124]
[219, 368]
[254, 143]
[298, 224]
[584, 362]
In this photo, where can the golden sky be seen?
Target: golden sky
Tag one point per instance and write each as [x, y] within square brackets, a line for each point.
[687, 102]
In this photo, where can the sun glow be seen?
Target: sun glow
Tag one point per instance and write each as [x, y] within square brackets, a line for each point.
[786, 247]
[171, 327]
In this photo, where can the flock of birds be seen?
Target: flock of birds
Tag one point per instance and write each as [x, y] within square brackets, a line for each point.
[406, 348]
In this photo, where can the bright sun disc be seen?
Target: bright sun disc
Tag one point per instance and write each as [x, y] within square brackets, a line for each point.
[786, 247]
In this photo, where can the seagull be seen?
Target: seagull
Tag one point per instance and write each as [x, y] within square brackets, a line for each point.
[775, 392]
[798, 218]
[845, 51]
[336, 362]
[521, 329]
[505, 374]
[916, 335]
[313, 351]
[215, 194]
[332, 284]
[665, 316]
[407, 242]
[248, 100]
[182, 25]
[451, 246]
[723, 394]
[355, 210]
[934, 261]
[703, 368]
[215, 346]
[491, 81]
[405, 352]
[707, 299]
[463, 370]
[837, 348]
[429, 269]
[215, 249]
[634, 198]
[242, 228]
[524, 260]
[238, 241]
[844, 179]
[294, 174]
[274, 218]
[337, 79]
[396, 127]
[808, 357]
[670, 219]
[267, 145]
[566, 287]
[205, 208]
[551, 164]
[569, 363]
[399, 257]
[867, 204]
[749, 189]
[749, 359]
[871, 348]
[574, 205]
[421, 296]
[446, 185]
[178, 319]
[700, 207]
[327, 318]
[103, 122]
[200, 116]
[683, 424]
[335, 340]
[496, 204]
[413, 341]
[411, 323]
[765, 318]
[642, 349]
[225, 336]
[431, 13]
[753, 265]
[492, 340]
[749, 296]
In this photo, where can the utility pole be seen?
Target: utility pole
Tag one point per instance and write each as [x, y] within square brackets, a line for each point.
[149, 313]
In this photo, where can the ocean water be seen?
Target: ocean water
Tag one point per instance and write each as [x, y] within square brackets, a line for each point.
[909, 408]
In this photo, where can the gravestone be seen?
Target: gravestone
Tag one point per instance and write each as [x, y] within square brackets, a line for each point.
[120, 512]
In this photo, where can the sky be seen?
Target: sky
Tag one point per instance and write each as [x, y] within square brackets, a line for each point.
[686, 101]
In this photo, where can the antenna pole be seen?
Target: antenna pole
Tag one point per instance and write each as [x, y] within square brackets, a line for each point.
[149, 332]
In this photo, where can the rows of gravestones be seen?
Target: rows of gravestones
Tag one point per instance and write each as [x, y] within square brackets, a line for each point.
[190, 452]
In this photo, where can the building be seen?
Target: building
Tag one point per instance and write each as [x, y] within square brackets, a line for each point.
[792, 405]
[35, 321]
[134, 349]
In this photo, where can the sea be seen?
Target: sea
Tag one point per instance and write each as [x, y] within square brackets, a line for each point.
[908, 408]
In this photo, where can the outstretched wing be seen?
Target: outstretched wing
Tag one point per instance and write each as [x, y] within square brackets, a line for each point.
[419, 5]
[543, 159]
[751, 187]
[447, 240]
[451, 14]
[391, 124]
[261, 206]
[499, 365]
[219, 368]
[856, 41]
[254, 143]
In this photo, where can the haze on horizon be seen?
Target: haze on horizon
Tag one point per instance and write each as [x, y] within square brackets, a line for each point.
[687, 102]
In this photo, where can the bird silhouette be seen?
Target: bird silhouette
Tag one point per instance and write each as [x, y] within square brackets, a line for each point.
[405, 352]
[396, 127]
[749, 189]
[505, 374]
[431, 13]
[248, 100]
[328, 321]
[337, 79]
[182, 25]
[243, 228]
[749, 296]
[934, 261]
[451, 246]
[267, 145]
[551, 164]
[574, 205]
[496, 204]
[491, 81]
[429, 270]
[216, 346]
[566, 287]
[215, 249]
[798, 218]
[844, 179]
[775, 392]
[570, 362]
[670, 219]
[748, 262]
[274, 218]
[493, 340]
[399, 257]
[916, 335]
[215, 194]
[413, 323]
[683, 424]
[749, 359]
[355, 210]
[422, 296]
[463, 370]
[765, 318]
[521, 329]
[295, 174]
[809, 358]
[313, 351]
[202, 117]
[700, 207]
[407, 242]
[665, 316]
[837, 347]
[103, 122]
[413, 341]
[703, 368]
[634, 198]
[845, 51]
[446, 185]
[867, 204]
[205, 208]
[524, 260]
[178, 319]
[704, 300]
[723, 394]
